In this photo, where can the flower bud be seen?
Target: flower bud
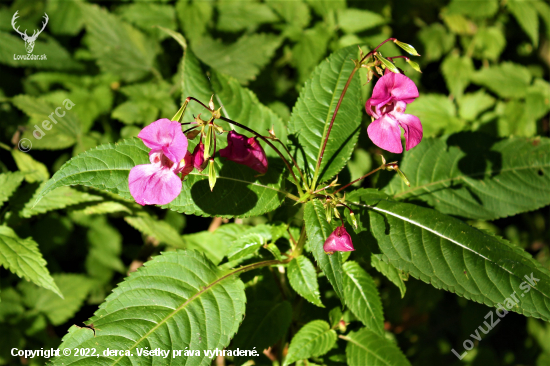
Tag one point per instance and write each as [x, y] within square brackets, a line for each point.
[187, 163]
[338, 241]
[212, 175]
[198, 157]
[245, 151]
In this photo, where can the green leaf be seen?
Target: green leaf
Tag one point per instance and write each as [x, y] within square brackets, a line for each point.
[482, 9]
[362, 297]
[149, 16]
[194, 16]
[241, 104]
[451, 255]
[74, 287]
[22, 257]
[249, 241]
[69, 18]
[472, 104]
[457, 72]
[318, 230]
[303, 279]
[264, 324]
[236, 15]
[57, 199]
[243, 59]
[324, 8]
[55, 132]
[366, 347]
[178, 299]
[356, 20]
[313, 112]
[310, 49]
[34, 170]
[437, 113]
[488, 43]
[507, 80]
[118, 47]
[388, 270]
[160, 230]
[237, 193]
[312, 340]
[527, 17]
[295, 13]
[437, 41]
[9, 182]
[194, 83]
[473, 176]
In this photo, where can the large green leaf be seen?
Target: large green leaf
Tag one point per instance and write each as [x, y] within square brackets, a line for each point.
[506, 79]
[9, 183]
[177, 301]
[451, 255]
[160, 230]
[238, 191]
[57, 199]
[318, 230]
[473, 176]
[303, 279]
[366, 347]
[194, 84]
[22, 257]
[314, 109]
[314, 339]
[362, 297]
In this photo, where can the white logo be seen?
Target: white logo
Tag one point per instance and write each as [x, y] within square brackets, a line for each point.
[29, 41]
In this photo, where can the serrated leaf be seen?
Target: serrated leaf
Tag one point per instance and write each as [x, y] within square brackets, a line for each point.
[118, 47]
[249, 241]
[303, 279]
[472, 104]
[160, 230]
[236, 15]
[483, 9]
[527, 17]
[55, 200]
[179, 293]
[243, 59]
[437, 41]
[310, 49]
[451, 255]
[22, 257]
[362, 297]
[238, 192]
[388, 270]
[474, 176]
[9, 182]
[437, 113]
[312, 340]
[74, 287]
[313, 112]
[149, 16]
[507, 80]
[318, 230]
[457, 72]
[69, 18]
[357, 20]
[264, 324]
[366, 347]
[194, 83]
[194, 16]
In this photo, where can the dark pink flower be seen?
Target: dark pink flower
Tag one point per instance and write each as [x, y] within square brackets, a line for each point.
[338, 241]
[246, 151]
[187, 163]
[387, 105]
[158, 183]
[198, 157]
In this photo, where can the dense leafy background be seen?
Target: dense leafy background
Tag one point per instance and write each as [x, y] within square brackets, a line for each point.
[484, 105]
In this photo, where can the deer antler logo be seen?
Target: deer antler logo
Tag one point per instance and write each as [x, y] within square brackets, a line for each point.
[29, 41]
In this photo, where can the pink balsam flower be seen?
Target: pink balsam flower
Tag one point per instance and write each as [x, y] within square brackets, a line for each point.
[245, 151]
[158, 183]
[387, 105]
[338, 241]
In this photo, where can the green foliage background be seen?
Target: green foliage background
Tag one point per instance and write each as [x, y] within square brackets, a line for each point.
[485, 68]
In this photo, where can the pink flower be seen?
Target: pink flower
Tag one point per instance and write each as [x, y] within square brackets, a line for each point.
[389, 100]
[338, 241]
[198, 157]
[158, 183]
[246, 151]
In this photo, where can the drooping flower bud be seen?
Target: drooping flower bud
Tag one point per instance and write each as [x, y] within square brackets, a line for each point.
[245, 151]
[338, 241]
[187, 163]
[198, 157]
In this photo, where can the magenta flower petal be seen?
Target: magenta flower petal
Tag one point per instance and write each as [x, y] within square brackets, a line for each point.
[245, 151]
[198, 157]
[394, 87]
[338, 241]
[385, 133]
[151, 184]
[186, 165]
[166, 136]
[413, 129]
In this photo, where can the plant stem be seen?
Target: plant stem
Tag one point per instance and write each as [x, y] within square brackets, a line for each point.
[358, 179]
[320, 158]
[260, 136]
[301, 242]
[294, 162]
